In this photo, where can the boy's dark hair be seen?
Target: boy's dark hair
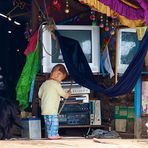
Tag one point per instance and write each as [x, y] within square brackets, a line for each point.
[61, 68]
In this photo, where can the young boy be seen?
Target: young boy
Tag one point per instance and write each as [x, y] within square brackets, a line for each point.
[50, 92]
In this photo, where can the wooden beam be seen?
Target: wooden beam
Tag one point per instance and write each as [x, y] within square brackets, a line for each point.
[35, 14]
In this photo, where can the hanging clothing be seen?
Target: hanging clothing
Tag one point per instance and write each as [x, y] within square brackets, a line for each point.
[28, 74]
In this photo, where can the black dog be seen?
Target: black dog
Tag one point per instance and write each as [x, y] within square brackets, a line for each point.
[9, 116]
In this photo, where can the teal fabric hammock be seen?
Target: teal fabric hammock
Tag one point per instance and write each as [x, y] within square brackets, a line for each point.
[80, 71]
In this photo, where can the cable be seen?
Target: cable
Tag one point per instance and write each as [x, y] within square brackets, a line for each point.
[52, 35]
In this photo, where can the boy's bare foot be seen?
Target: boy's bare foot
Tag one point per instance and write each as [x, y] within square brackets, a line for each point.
[54, 137]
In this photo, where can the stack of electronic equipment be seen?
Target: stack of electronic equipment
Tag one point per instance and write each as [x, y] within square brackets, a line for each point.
[75, 110]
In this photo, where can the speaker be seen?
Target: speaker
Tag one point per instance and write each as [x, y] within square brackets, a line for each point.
[95, 112]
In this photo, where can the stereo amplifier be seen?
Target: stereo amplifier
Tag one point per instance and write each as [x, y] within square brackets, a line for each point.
[75, 88]
[75, 118]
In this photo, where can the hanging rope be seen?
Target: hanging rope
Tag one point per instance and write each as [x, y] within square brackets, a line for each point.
[44, 16]
[49, 26]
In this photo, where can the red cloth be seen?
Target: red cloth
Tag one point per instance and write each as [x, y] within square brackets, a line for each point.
[32, 43]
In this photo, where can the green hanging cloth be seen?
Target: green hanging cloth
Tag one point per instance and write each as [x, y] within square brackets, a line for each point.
[29, 72]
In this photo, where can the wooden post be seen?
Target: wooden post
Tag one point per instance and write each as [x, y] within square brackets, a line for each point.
[116, 58]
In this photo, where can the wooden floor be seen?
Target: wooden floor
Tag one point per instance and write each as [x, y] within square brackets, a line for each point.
[75, 142]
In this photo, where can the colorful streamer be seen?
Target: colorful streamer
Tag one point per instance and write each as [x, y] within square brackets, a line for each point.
[101, 7]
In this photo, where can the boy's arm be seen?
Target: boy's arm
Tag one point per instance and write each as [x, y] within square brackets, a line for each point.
[69, 93]
[40, 92]
[62, 93]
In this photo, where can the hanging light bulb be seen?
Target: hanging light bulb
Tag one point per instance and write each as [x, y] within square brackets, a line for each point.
[101, 22]
[67, 7]
[66, 10]
[106, 25]
[112, 32]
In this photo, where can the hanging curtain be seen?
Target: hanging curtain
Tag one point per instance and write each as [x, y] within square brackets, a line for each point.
[80, 71]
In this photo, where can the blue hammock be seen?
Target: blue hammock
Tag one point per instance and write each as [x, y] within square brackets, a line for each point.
[80, 71]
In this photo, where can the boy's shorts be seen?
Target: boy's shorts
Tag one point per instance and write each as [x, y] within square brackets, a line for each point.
[52, 125]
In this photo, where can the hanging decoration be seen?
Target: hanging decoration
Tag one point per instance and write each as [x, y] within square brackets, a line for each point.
[112, 32]
[144, 5]
[106, 24]
[101, 25]
[124, 9]
[93, 17]
[128, 16]
[57, 5]
[114, 24]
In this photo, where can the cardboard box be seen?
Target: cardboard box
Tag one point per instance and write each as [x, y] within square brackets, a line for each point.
[120, 125]
[124, 118]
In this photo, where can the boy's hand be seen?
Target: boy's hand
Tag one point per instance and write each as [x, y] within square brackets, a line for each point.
[69, 93]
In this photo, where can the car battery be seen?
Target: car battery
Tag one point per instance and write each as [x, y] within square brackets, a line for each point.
[31, 128]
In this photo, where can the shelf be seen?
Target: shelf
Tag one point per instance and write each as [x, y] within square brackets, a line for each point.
[144, 72]
[81, 126]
